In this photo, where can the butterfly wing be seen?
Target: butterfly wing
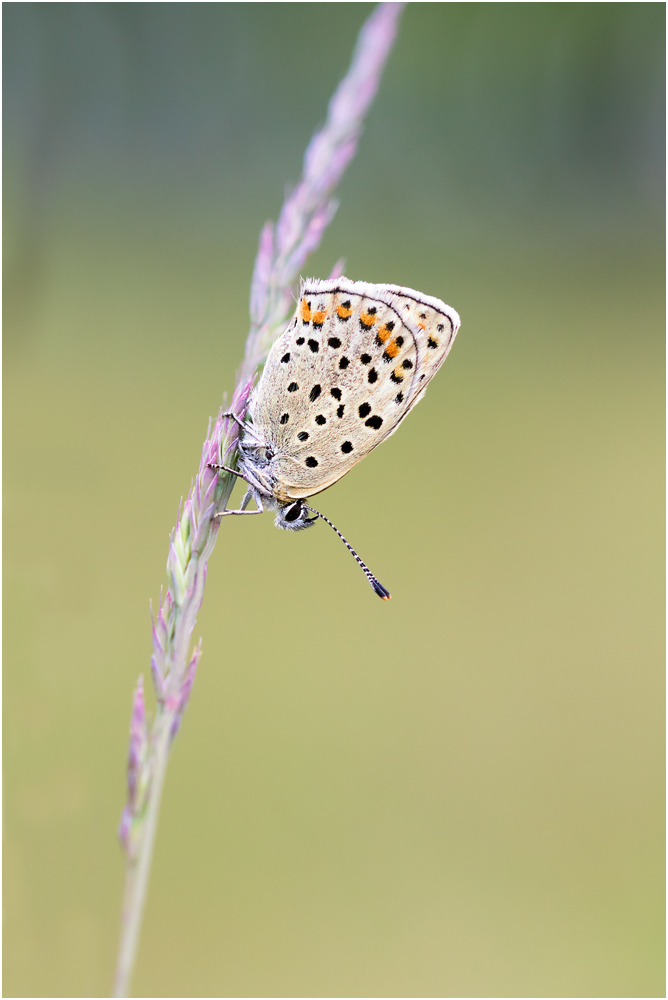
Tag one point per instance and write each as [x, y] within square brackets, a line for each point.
[435, 327]
[352, 363]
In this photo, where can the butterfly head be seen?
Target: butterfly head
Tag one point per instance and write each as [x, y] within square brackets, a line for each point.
[293, 516]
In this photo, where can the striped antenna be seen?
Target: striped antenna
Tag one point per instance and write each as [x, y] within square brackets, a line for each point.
[377, 586]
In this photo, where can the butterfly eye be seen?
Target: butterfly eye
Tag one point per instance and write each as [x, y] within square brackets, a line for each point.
[293, 512]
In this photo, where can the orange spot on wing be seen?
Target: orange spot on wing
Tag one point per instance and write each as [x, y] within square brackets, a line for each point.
[383, 334]
[319, 318]
[305, 311]
[392, 349]
[368, 319]
[398, 374]
[343, 312]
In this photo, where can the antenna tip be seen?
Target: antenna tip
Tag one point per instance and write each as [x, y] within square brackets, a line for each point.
[381, 591]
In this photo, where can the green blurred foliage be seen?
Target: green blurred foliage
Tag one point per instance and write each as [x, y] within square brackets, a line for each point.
[458, 793]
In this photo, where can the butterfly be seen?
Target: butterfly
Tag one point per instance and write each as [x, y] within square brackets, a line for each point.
[353, 362]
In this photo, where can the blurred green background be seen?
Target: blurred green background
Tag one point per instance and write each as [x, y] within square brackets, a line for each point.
[456, 794]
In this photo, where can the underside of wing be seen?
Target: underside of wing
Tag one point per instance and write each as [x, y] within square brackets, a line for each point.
[349, 367]
[434, 325]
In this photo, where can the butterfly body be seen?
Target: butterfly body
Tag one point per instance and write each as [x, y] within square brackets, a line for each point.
[353, 362]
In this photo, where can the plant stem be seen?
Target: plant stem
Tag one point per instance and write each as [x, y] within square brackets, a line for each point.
[138, 870]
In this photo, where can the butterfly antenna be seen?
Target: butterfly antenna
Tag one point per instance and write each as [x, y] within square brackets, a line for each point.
[376, 584]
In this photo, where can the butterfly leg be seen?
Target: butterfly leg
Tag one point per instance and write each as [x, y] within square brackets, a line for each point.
[246, 428]
[248, 496]
[224, 513]
[225, 468]
[235, 418]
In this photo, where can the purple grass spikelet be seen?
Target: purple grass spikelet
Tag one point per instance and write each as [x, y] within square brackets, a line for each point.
[338, 269]
[184, 694]
[138, 771]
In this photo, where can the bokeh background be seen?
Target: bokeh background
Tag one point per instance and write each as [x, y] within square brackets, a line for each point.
[456, 794]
